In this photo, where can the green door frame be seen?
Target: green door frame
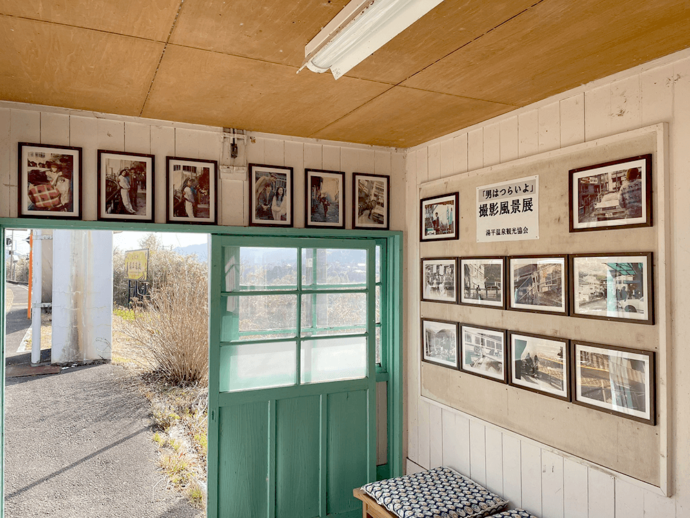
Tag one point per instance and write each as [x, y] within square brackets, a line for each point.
[392, 355]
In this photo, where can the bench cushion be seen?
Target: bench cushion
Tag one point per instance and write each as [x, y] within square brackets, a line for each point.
[437, 493]
[514, 513]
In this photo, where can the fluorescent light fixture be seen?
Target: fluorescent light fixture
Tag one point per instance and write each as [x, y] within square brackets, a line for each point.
[359, 30]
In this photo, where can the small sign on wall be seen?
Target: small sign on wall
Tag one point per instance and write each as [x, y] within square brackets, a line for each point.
[508, 211]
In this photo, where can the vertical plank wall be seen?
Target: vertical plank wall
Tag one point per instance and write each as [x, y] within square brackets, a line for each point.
[533, 476]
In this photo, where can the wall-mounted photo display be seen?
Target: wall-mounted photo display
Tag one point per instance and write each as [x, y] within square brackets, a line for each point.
[191, 190]
[439, 280]
[482, 281]
[440, 218]
[612, 287]
[612, 195]
[538, 283]
[325, 199]
[125, 186]
[49, 181]
[370, 201]
[616, 380]
[440, 342]
[540, 364]
[270, 196]
[483, 352]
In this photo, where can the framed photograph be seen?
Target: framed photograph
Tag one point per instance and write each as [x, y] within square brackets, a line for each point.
[192, 193]
[270, 196]
[440, 218]
[613, 287]
[616, 194]
[440, 342]
[370, 201]
[325, 199]
[49, 180]
[482, 281]
[615, 380]
[540, 364]
[483, 352]
[439, 280]
[538, 284]
[125, 186]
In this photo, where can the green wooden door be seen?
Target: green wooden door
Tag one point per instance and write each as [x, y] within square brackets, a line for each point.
[292, 385]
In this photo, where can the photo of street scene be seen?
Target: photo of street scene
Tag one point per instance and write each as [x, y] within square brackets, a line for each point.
[439, 218]
[125, 192]
[439, 281]
[538, 284]
[482, 282]
[614, 287]
[440, 342]
[614, 380]
[371, 198]
[483, 352]
[539, 364]
[325, 192]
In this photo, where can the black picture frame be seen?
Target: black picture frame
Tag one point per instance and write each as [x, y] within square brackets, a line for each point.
[423, 237]
[501, 290]
[457, 343]
[288, 171]
[356, 205]
[461, 340]
[510, 295]
[110, 195]
[308, 201]
[213, 194]
[422, 279]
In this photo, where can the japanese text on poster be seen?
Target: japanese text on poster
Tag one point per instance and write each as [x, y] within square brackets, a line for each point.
[508, 211]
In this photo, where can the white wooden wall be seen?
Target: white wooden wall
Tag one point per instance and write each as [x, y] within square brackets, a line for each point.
[536, 477]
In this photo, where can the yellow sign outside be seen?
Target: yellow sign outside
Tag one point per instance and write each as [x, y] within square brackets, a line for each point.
[136, 264]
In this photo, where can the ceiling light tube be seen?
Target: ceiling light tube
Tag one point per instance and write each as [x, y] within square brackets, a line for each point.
[359, 30]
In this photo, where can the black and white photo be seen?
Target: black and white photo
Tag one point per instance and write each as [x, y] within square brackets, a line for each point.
[540, 364]
[613, 287]
[612, 195]
[481, 281]
[439, 280]
[191, 190]
[125, 186]
[270, 198]
[615, 379]
[439, 218]
[370, 203]
[483, 352]
[325, 199]
[538, 284]
[440, 342]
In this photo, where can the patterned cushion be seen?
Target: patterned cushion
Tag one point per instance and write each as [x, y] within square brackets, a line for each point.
[515, 513]
[437, 493]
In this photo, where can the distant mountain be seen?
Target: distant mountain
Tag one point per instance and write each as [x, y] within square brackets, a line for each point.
[200, 250]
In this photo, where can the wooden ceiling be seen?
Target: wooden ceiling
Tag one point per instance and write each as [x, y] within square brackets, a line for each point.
[233, 63]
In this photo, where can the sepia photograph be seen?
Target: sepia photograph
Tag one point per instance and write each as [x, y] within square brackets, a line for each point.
[439, 280]
[370, 204]
[481, 281]
[325, 199]
[616, 287]
[540, 364]
[538, 284]
[191, 190]
[270, 200]
[439, 218]
[615, 379]
[125, 186]
[49, 181]
[612, 195]
[440, 342]
[483, 352]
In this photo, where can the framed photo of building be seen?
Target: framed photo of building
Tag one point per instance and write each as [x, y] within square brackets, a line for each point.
[370, 201]
[540, 364]
[538, 284]
[325, 199]
[483, 352]
[439, 218]
[615, 380]
[192, 191]
[613, 195]
[440, 342]
[125, 186]
[49, 179]
[482, 281]
[612, 287]
[270, 196]
[439, 280]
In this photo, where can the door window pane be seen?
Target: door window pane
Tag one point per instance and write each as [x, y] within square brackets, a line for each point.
[250, 268]
[334, 313]
[378, 263]
[334, 268]
[378, 346]
[258, 317]
[254, 366]
[334, 359]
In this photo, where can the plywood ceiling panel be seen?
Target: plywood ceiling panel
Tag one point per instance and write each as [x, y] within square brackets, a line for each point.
[149, 19]
[269, 30]
[557, 45]
[404, 117]
[58, 65]
[217, 89]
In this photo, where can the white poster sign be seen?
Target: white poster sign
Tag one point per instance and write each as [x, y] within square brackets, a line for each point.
[508, 211]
